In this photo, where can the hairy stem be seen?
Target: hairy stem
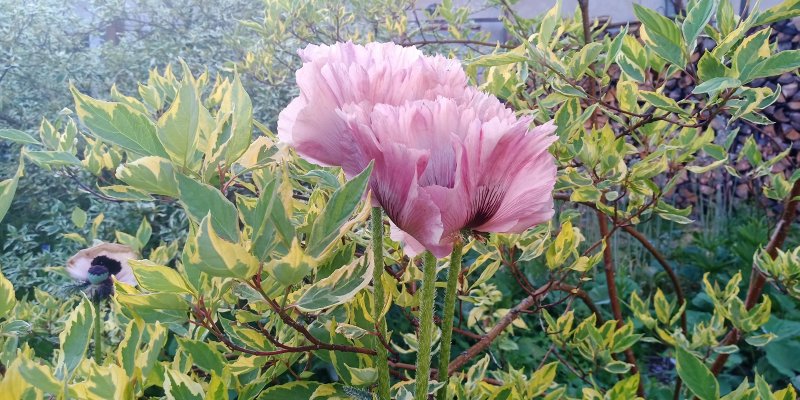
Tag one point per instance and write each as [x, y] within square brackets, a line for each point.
[382, 362]
[98, 333]
[448, 314]
[426, 326]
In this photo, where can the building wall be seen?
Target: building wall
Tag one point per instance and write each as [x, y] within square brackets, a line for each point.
[617, 10]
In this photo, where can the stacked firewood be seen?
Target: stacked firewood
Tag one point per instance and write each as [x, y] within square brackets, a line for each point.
[772, 139]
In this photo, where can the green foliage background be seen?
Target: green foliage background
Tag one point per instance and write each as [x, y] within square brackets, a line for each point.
[265, 253]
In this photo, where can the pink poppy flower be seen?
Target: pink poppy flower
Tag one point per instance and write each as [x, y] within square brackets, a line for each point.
[447, 165]
[344, 74]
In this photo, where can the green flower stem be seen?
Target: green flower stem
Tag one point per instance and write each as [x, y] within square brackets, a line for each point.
[98, 332]
[448, 314]
[378, 304]
[426, 326]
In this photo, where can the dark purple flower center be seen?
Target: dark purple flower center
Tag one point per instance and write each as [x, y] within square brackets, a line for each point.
[111, 265]
[485, 205]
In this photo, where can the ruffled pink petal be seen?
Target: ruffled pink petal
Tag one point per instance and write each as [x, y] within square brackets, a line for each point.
[394, 180]
[525, 173]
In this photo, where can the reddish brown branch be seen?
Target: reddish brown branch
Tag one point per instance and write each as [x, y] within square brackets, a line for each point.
[504, 322]
[667, 268]
[613, 295]
[581, 294]
[757, 279]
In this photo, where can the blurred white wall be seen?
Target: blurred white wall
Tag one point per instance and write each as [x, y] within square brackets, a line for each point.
[617, 10]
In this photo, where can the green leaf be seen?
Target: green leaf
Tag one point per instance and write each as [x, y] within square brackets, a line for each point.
[362, 376]
[761, 340]
[8, 188]
[630, 68]
[784, 10]
[154, 175]
[331, 224]
[143, 233]
[662, 102]
[237, 102]
[697, 376]
[494, 60]
[259, 217]
[201, 200]
[726, 20]
[7, 298]
[204, 355]
[178, 386]
[785, 61]
[124, 193]
[548, 25]
[47, 159]
[584, 58]
[292, 267]
[624, 389]
[341, 286]
[542, 379]
[696, 19]
[749, 53]
[617, 367]
[75, 337]
[217, 257]
[709, 67]
[716, 84]
[662, 34]
[128, 348]
[158, 278]
[18, 136]
[79, 217]
[178, 127]
[39, 376]
[119, 124]
[297, 390]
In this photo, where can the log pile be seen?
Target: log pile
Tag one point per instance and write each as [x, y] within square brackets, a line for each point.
[718, 185]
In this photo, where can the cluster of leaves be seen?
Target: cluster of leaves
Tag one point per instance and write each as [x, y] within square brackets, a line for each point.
[264, 289]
